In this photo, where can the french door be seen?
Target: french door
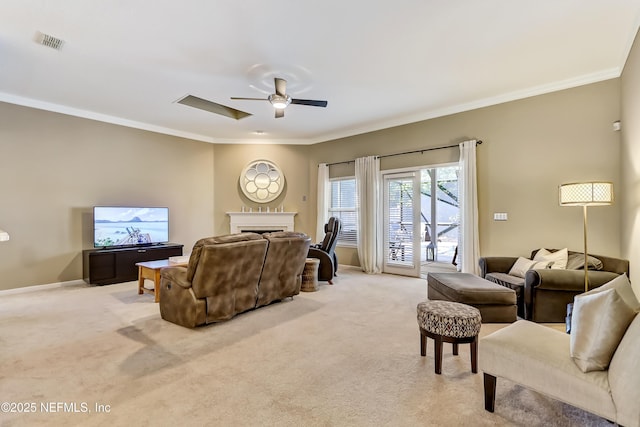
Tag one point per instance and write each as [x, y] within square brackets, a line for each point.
[402, 223]
[421, 219]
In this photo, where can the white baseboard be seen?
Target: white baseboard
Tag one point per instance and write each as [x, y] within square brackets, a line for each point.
[35, 288]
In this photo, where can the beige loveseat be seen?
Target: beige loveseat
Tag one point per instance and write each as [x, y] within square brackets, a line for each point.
[231, 274]
[538, 358]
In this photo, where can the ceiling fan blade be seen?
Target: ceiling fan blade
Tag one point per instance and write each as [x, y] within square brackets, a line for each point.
[279, 113]
[281, 86]
[249, 99]
[311, 102]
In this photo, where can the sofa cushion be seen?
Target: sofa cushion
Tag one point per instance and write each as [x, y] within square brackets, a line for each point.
[506, 280]
[613, 265]
[559, 258]
[194, 259]
[598, 323]
[195, 256]
[283, 266]
[237, 237]
[576, 262]
[284, 235]
[522, 265]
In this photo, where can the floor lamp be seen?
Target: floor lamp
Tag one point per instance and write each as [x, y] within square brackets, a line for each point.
[586, 194]
[4, 236]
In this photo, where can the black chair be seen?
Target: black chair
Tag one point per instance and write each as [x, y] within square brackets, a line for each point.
[325, 251]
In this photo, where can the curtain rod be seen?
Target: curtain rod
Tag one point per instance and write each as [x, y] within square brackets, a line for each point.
[422, 150]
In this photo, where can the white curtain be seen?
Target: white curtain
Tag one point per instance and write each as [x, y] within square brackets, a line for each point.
[369, 221]
[468, 239]
[324, 192]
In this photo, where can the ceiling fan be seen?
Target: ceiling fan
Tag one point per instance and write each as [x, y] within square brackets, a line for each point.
[280, 99]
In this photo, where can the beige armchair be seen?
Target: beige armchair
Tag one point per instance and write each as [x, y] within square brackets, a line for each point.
[538, 357]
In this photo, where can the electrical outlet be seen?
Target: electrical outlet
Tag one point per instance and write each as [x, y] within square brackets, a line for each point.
[500, 216]
[304, 198]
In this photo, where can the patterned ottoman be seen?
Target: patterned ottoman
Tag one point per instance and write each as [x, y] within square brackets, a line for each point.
[447, 321]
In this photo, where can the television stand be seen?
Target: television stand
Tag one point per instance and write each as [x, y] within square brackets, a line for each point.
[116, 265]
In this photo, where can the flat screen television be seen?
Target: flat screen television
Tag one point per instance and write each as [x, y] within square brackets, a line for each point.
[115, 226]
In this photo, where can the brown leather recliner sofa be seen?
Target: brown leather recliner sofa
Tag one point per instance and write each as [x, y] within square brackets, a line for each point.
[543, 294]
[231, 274]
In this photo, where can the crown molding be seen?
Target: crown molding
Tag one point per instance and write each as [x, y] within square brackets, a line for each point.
[371, 127]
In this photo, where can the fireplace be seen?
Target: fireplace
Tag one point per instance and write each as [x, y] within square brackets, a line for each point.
[261, 222]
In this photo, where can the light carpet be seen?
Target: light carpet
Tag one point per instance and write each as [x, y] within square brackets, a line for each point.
[346, 355]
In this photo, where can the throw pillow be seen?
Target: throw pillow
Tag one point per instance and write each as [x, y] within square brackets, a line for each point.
[622, 285]
[559, 258]
[576, 262]
[522, 265]
[598, 324]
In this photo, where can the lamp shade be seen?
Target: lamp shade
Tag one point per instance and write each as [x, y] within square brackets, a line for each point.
[4, 236]
[586, 194]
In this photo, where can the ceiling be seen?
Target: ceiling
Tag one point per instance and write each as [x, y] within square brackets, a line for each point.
[377, 63]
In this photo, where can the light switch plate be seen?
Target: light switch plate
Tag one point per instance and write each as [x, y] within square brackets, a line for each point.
[500, 216]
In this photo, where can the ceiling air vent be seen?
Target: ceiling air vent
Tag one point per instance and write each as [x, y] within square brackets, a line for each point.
[50, 41]
[212, 107]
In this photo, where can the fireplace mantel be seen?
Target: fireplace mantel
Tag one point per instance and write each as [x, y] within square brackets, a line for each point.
[261, 221]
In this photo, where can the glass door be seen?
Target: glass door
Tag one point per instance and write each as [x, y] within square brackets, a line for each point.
[440, 213]
[402, 223]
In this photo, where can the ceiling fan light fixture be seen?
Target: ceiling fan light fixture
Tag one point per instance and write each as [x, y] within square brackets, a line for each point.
[278, 101]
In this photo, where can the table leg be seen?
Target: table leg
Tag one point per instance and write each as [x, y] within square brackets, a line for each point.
[156, 285]
[140, 281]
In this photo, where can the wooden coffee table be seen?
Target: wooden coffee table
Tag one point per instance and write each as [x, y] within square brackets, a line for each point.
[151, 270]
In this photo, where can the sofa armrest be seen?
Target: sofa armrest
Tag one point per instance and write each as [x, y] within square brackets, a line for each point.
[615, 265]
[496, 264]
[178, 304]
[326, 269]
[547, 292]
[176, 275]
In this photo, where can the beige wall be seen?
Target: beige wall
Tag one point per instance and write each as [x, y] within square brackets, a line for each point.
[55, 168]
[630, 158]
[230, 160]
[529, 147]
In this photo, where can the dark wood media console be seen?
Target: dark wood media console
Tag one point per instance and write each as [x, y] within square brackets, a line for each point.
[108, 266]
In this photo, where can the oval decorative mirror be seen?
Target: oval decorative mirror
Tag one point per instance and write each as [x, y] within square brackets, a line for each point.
[262, 181]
